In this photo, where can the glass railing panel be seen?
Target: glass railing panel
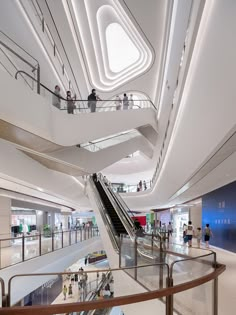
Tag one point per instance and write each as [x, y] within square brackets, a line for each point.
[192, 268]
[11, 252]
[46, 242]
[31, 246]
[195, 301]
[66, 238]
[58, 240]
[73, 237]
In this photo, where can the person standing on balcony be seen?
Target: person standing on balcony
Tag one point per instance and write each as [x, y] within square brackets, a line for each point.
[144, 185]
[92, 101]
[70, 103]
[125, 102]
[131, 101]
[56, 101]
[140, 185]
[118, 102]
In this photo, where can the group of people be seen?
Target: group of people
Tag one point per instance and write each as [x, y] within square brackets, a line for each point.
[126, 103]
[107, 291]
[92, 101]
[189, 232]
[81, 277]
[142, 185]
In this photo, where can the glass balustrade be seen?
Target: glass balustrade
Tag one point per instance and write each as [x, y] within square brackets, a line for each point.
[14, 250]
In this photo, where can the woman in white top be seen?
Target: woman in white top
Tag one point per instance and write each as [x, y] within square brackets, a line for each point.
[131, 101]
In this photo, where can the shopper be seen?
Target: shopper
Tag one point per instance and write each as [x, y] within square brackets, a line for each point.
[70, 292]
[207, 234]
[144, 185]
[140, 185]
[190, 232]
[70, 103]
[169, 229]
[118, 102]
[131, 101]
[56, 101]
[112, 288]
[64, 291]
[125, 102]
[92, 101]
[198, 236]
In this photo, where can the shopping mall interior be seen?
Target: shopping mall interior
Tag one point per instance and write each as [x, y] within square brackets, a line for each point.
[118, 151]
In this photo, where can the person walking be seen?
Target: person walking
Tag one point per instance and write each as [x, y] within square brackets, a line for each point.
[56, 101]
[169, 229]
[198, 236]
[125, 102]
[207, 234]
[190, 232]
[70, 103]
[64, 291]
[92, 101]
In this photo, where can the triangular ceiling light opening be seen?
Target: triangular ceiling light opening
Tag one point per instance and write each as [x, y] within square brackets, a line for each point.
[121, 51]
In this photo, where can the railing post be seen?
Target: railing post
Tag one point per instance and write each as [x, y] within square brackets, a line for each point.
[80, 235]
[135, 258]
[169, 299]
[52, 241]
[62, 239]
[0, 255]
[38, 79]
[40, 245]
[215, 296]
[120, 246]
[76, 240]
[23, 247]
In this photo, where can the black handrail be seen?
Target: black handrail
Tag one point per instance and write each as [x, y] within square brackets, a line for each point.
[77, 100]
[37, 67]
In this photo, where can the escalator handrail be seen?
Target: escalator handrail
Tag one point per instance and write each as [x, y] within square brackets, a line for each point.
[109, 226]
[118, 201]
[121, 200]
[122, 207]
[120, 214]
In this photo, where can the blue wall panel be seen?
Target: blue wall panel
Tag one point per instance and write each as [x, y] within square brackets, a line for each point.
[219, 210]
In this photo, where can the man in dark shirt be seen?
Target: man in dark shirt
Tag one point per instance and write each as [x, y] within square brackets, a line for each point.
[92, 101]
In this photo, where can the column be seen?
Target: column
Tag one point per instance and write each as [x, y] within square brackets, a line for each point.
[5, 220]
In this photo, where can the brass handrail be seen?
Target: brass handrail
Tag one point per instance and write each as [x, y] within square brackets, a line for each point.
[116, 301]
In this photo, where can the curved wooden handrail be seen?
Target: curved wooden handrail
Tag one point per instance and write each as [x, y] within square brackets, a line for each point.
[100, 304]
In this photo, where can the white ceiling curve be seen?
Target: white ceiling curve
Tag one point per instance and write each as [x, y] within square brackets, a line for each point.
[97, 18]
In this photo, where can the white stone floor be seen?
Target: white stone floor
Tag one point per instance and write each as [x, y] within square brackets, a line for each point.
[227, 280]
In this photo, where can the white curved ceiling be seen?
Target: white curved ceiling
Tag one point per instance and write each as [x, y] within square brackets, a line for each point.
[100, 19]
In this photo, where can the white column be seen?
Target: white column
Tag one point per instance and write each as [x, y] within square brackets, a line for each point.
[5, 220]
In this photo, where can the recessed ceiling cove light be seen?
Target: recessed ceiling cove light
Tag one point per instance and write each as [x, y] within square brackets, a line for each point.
[115, 49]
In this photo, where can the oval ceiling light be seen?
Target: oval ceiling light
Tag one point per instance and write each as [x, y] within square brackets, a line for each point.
[121, 51]
[115, 49]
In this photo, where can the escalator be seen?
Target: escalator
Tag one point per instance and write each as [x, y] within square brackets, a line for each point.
[115, 219]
